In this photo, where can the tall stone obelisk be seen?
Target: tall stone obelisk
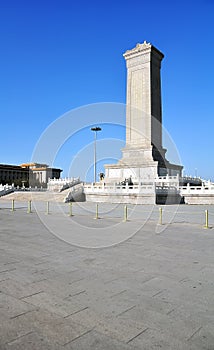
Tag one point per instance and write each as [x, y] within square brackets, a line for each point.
[143, 96]
[143, 155]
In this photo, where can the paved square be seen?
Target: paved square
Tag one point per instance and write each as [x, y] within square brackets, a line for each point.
[154, 290]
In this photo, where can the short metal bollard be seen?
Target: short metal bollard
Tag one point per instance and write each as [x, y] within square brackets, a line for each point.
[47, 209]
[29, 210]
[125, 213]
[96, 214]
[70, 209]
[160, 216]
[206, 219]
[13, 205]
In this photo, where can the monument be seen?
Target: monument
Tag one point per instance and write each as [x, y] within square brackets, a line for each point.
[143, 158]
[143, 175]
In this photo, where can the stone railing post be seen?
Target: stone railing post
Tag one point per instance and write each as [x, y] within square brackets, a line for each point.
[188, 188]
[127, 186]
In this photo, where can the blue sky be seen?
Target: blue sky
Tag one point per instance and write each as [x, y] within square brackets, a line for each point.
[57, 56]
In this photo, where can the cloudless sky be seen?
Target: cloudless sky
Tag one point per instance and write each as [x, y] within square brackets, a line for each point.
[60, 55]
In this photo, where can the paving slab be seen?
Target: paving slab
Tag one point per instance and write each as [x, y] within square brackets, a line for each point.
[97, 341]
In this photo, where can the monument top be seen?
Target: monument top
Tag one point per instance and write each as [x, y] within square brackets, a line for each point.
[139, 48]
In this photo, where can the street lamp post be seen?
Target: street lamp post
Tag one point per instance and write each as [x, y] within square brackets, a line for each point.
[95, 129]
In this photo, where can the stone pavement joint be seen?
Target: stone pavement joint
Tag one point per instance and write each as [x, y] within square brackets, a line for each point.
[130, 340]
[18, 338]
[76, 312]
[197, 330]
[79, 337]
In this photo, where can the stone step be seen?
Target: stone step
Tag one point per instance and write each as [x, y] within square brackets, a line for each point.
[36, 196]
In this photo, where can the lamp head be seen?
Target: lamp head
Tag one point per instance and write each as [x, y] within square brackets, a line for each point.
[96, 128]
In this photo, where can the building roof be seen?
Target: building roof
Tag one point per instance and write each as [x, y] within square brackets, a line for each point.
[29, 166]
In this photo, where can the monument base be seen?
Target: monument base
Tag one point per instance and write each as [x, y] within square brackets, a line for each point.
[118, 173]
[153, 192]
[141, 165]
[128, 198]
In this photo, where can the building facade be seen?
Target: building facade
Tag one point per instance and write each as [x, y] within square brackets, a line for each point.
[28, 174]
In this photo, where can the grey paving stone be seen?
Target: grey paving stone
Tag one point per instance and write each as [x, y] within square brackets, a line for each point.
[96, 341]
[12, 307]
[53, 304]
[179, 328]
[17, 288]
[152, 339]
[59, 287]
[12, 329]
[117, 328]
[203, 338]
[32, 341]
[64, 331]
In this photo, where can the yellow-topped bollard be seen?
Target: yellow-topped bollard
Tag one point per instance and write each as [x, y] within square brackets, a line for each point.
[160, 216]
[70, 209]
[125, 213]
[206, 219]
[29, 210]
[96, 214]
[47, 209]
[13, 205]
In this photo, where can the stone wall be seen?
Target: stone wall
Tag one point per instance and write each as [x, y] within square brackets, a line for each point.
[199, 199]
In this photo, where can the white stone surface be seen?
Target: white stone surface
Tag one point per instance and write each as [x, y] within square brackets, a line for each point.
[198, 194]
[56, 185]
[143, 96]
